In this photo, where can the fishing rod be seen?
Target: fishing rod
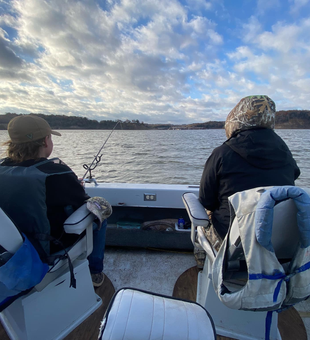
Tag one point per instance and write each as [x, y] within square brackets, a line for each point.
[97, 158]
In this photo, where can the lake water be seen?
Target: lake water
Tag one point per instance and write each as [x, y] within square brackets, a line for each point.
[169, 156]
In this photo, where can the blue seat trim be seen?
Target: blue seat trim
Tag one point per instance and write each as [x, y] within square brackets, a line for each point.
[264, 214]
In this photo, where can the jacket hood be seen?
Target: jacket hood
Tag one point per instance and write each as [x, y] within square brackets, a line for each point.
[261, 148]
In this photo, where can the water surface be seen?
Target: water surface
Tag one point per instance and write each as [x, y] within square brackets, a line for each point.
[169, 156]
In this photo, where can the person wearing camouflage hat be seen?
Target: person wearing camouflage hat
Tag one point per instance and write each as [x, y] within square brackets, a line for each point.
[252, 156]
[251, 112]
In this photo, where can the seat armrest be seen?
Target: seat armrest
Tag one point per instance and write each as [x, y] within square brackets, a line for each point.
[196, 212]
[205, 244]
[78, 221]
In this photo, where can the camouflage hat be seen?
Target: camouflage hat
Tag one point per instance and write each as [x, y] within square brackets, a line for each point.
[251, 112]
[100, 207]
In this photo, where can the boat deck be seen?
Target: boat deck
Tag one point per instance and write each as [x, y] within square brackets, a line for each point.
[173, 273]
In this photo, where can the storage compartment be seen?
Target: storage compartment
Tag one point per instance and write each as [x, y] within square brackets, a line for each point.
[147, 227]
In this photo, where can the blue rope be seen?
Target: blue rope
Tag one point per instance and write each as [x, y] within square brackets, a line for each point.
[301, 269]
[268, 325]
[277, 276]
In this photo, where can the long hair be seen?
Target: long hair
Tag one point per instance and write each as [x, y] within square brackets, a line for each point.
[21, 152]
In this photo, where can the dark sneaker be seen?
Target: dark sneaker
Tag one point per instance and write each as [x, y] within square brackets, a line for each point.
[97, 279]
[200, 257]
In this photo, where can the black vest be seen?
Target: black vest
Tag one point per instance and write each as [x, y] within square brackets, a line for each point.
[23, 199]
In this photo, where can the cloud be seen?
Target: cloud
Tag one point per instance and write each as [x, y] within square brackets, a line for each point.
[264, 6]
[7, 20]
[165, 61]
[251, 29]
[8, 59]
[297, 5]
[276, 60]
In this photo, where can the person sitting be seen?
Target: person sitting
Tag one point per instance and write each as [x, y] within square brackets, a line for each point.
[252, 156]
[39, 194]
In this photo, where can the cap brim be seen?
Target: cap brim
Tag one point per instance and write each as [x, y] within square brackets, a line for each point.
[55, 133]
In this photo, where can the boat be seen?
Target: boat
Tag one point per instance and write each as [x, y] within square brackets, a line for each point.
[146, 249]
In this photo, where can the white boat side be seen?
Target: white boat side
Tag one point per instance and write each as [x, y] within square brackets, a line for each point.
[142, 195]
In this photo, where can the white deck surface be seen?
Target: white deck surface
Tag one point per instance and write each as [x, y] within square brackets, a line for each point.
[151, 270]
[157, 271]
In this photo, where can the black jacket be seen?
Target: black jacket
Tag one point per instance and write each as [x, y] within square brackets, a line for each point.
[249, 159]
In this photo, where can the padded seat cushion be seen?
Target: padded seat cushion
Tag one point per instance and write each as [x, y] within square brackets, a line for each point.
[138, 315]
[77, 222]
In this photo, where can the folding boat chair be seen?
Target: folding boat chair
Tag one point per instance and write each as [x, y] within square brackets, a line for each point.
[285, 239]
[52, 309]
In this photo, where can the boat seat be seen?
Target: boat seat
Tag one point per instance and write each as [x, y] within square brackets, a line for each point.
[139, 315]
[229, 322]
[284, 240]
[52, 309]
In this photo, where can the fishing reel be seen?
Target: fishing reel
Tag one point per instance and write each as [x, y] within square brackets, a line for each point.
[90, 180]
[90, 168]
[93, 166]
[95, 162]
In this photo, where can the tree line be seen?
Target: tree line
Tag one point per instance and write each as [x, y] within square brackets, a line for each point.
[291, 119]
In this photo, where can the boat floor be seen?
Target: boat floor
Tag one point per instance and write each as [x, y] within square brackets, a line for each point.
[173, 273]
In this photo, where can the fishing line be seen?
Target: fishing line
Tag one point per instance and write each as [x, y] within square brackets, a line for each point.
[97, 158]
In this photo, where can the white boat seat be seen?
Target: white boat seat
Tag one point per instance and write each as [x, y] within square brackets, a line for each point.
[78, 222]
[138, 315]
[285, 238]
[243, 324]
[11, 239]
[81, 220]
[51, 309]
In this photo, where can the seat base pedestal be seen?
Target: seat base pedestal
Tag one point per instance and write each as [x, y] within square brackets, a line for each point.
[232, 323]
[54, 312]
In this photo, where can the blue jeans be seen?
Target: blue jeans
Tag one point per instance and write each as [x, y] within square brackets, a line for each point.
[95, 259]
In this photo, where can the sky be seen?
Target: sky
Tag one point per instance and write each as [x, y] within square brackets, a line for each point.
[162, 61]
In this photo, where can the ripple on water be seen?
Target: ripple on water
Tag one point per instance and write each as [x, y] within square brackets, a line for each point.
[169, 157]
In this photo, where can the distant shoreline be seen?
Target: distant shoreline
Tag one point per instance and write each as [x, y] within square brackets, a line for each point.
[292, 119]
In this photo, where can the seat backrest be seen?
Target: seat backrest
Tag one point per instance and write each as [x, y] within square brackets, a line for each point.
[79, 221]
[271, 253]
[285, 234]
[10, 238]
